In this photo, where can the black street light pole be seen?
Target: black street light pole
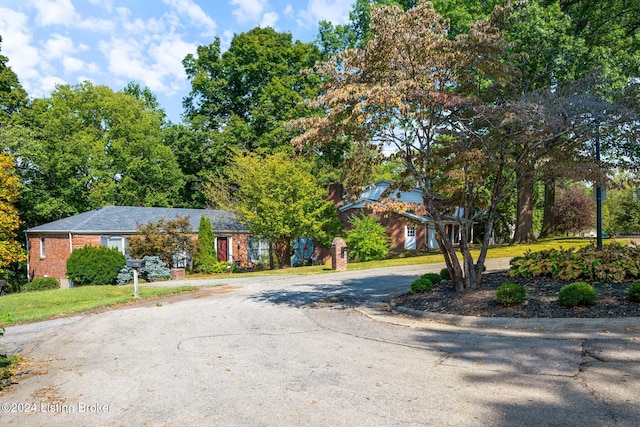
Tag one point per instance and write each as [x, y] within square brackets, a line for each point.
[598, 195]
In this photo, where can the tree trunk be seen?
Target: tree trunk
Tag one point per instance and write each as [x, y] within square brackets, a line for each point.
[548, 221]
[458, 278]
[283, 252]
[524, 221]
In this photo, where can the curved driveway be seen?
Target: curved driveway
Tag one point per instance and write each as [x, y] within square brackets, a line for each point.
[309, 351]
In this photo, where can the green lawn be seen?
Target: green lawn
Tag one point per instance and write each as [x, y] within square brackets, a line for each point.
[498, 251]
[34, 306]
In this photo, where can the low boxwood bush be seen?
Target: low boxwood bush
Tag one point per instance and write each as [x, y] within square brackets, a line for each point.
[634, 292]
[434, 277]
[42, 284]
[510, 294]
[577, 293]
[444, 273]
[93, 265]
[420, 285]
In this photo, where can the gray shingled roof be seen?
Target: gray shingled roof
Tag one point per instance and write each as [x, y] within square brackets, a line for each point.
[124, 220]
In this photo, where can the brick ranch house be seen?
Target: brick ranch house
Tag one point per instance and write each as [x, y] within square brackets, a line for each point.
[49, 245]
[411, 230]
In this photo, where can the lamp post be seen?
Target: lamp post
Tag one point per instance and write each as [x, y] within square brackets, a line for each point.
[598, 195]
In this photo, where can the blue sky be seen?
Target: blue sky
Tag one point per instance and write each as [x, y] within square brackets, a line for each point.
[113, 42]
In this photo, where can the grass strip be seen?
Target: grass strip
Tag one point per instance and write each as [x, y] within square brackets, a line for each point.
[33, 306]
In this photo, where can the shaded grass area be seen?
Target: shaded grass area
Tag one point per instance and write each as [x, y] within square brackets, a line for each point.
[33, 306]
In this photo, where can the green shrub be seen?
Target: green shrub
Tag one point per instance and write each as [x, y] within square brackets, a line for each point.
[577, 293]
[634, 292]
[420, 285]
[95, 265]
[434, 277]
[613, 264]
[368, 239]
[444, 273]
[205, 258]
[510, 294]
[41, 284]
[154, 269]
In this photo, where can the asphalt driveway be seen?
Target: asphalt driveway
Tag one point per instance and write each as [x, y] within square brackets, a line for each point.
[310, 350]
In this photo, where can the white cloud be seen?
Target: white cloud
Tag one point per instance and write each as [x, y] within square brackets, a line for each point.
[55, 12]
[335, 11]
[288, 11]
[195, 14]
[47, 84]
[16, 45]
[72, 65]
[106, 4]
[168, 56]
[125, 61]
[57, 47]
[269, 20]
[248, 10]
[96, 25]
[62, 13]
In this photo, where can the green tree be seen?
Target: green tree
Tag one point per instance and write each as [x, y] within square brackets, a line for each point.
[205, 257]
[446, 105]
[279, 198]
[87, 146]
[623, 208]
[12, 94]
[169, 239]
[249, 91]
[10, 249]
[368, 239]
[410, 99]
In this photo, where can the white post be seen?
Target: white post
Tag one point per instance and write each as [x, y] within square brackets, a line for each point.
[135, 283]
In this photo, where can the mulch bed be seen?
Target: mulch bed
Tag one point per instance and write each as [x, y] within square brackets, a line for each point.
[541, 300]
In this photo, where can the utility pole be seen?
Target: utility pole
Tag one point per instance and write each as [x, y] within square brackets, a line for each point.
[598, 195]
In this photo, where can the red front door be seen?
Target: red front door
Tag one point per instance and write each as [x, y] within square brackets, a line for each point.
[222, 249]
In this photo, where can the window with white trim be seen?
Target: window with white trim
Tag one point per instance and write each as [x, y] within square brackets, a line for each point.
[258, 250]
[117, 242]
[43, 248]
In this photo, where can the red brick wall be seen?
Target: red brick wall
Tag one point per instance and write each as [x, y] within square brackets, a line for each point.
[395, 225]
[54, 263]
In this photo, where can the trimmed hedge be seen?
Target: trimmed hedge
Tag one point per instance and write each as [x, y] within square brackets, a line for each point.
[434, 277]
[577, 293]
[93, 265]
[634, 292]
[510, 294]
[420, 285]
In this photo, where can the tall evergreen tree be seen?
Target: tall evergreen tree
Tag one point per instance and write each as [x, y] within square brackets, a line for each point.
[205, 257]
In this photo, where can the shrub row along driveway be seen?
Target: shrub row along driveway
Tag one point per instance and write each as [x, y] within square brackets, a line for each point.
[301, 351]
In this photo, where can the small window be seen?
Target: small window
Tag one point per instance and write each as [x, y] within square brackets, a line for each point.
[411, 231]
[43, 250]
[110, 242]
